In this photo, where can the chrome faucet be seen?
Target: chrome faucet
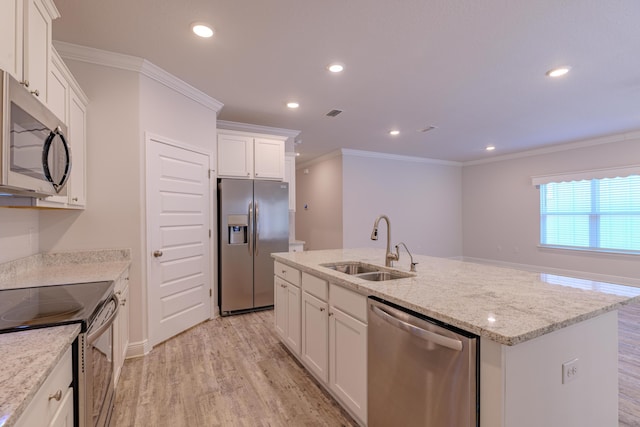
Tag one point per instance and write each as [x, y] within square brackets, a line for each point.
[413, 264]
[390, 256]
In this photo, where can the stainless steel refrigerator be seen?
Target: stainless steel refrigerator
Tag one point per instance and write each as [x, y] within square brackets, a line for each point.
[253, 218]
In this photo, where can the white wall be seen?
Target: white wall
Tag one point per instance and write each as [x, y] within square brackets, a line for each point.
[19, 233]
[123, 106]
[319, 187]
[422, 198]
[345, 192]
[501, 208]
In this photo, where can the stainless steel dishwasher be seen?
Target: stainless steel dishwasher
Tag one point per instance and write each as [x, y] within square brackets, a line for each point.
[421, 372]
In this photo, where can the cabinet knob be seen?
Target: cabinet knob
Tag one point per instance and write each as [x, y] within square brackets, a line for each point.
[330, 313]
[248, 174]
[157, 254]
[75, 199]
[57, 395]
[35, 92]
[284, 272]
[123, 301]
[25, 83]
[321, 308]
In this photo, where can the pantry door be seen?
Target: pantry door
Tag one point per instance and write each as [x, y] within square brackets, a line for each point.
[180, 265]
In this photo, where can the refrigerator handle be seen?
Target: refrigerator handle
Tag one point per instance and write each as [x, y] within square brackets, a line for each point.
[250, 228]
[257, 221]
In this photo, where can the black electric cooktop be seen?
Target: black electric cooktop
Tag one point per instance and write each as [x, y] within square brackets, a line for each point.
[39, 307]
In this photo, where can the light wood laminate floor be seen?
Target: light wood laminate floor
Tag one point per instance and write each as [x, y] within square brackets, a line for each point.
[233, 371]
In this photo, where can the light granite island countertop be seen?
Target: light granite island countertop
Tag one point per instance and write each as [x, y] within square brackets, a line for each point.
[28, 357]
[530, 325]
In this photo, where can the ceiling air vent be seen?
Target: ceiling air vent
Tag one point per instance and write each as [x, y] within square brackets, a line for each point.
[427, 129]
[333, 113]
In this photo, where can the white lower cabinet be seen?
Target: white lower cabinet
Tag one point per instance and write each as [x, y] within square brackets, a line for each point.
[334, 338]
[315, 335]
[121, 326]
[287, 305]
[348, 361]
[64, 415]
[52, 404]
[288, 313]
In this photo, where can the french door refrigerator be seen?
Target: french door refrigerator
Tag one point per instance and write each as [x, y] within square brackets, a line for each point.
[253, 218]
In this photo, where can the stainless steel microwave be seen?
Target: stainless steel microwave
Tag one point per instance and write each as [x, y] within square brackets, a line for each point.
[35, 158]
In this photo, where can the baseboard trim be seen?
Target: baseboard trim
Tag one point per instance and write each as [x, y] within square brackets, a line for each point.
[138, 349]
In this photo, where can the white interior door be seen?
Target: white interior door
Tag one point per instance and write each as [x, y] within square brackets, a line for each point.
[179, 288]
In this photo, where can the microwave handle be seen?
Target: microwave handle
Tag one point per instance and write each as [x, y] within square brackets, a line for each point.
[57, 186]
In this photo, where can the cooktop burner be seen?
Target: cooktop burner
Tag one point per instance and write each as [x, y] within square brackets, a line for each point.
[38, 307]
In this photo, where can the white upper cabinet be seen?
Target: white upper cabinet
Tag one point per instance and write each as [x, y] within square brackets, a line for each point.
[25, 41]
[245, 155]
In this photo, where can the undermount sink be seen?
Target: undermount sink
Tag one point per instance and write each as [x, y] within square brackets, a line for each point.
[366, 271]
[379, 276]
[351, 268]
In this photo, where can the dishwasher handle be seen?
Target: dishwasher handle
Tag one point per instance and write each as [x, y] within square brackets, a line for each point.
[418, 332]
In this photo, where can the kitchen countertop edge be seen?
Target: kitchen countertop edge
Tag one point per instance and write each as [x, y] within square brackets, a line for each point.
[365, 288]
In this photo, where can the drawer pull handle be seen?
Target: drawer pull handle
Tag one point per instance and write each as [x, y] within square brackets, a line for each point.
[57, 395]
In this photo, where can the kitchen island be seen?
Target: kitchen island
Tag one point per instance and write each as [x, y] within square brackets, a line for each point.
[530, 324]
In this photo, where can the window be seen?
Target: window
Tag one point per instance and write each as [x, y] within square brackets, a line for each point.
[596, 214]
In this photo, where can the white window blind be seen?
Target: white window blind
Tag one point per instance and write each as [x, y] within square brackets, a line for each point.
[596, 214]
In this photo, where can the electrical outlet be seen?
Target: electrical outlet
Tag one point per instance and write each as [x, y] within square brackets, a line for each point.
[570, 371]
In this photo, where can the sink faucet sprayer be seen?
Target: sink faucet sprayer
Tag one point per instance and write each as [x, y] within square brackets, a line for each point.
[390, 256]
[413, 264]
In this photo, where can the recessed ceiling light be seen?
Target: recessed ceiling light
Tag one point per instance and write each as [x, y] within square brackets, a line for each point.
[394, 132]
[557, 72]
[335, 68]
[297, 154]
[202, 30]
[292, 105]
[490, 148]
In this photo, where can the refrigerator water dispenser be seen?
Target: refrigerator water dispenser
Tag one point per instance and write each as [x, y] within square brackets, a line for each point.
[237, 229]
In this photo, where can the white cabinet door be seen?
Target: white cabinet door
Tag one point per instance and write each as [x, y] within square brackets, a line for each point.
[315, 337]
[287, 313]
[37, 43]
[77, 140]
[281, 302]
[293, 318]
[235, 156]
[57, 89]
[290, 177]
[348, 361]
[11, 23]
[64, 415]
[268, 157]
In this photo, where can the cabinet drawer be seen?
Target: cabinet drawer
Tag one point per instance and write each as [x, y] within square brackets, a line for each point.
[316, 287]
[44, 405]
[349, 302]
[289, 274]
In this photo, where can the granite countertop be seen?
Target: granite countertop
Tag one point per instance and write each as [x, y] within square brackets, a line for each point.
[27, 358]
[58, 268]
[505, 305]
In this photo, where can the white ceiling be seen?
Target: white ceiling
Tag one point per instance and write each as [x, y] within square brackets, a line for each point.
[473, 68]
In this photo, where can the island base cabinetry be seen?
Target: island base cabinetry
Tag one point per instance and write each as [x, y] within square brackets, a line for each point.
[287, 305]
[332, 321]
[523, 385]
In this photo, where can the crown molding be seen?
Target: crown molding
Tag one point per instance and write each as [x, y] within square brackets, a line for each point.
[561, 147]
[376, 155]
[290, 134]
[138, 65]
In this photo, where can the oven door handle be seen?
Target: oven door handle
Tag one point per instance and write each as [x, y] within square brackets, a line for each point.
[94, 335]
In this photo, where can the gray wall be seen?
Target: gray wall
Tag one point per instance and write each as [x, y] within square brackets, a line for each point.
[501, 208]
[319, 187]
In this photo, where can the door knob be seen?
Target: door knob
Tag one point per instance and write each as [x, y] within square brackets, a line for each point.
[157, 254]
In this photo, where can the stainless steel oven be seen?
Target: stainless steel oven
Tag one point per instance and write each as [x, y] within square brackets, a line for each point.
[95, 307]
[95, 368]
